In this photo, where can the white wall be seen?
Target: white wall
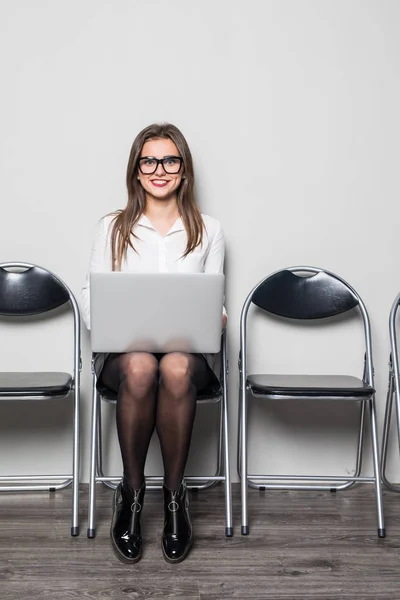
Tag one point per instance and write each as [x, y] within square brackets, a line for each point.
[291, 110]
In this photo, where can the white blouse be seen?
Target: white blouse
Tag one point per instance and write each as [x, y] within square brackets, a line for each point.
[156, 253]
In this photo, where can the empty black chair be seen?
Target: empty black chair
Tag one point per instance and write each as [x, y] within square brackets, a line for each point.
[393, 391]
[27, 290]
[306, 293]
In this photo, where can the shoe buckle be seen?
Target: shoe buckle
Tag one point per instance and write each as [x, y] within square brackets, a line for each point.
[136, 507]
[173, 506]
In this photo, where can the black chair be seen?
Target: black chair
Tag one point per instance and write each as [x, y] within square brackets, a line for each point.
[27, 290]
[306, 293]
[393, 391]
[216, 391]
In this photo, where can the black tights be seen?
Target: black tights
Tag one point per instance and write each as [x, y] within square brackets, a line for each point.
[155, 391]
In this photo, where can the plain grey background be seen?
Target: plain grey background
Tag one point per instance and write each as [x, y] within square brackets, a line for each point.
[290, 108]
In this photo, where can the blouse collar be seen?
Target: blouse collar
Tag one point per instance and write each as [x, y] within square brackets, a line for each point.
[177, 226]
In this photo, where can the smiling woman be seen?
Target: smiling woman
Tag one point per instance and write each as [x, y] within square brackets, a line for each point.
[161, 229]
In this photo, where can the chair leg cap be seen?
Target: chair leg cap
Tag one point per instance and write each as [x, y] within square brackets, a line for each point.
[245, 530]
[381, 533]
[229, 531]
[91, 533]
[74, 531]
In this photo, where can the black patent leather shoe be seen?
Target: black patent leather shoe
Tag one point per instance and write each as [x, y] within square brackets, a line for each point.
[125, 532]
[177, 534]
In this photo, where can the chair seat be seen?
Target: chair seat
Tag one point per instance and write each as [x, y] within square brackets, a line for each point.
[50, 384]
[212, 391]
[309, 386]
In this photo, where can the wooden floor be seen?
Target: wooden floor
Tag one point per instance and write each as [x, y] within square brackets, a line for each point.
[301, 545]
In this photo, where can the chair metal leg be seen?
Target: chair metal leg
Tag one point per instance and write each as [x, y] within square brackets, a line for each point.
[193, 483]
[386, 430]
[225, 436]
[76, 461]
[220, 453]
[99, 453]
[243, 441]
[357, 470]
[91, 532]
[375, 455]
[99, 441]
[394, 389]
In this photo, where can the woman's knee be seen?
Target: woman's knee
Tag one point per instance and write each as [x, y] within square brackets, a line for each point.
[176, 372]
[139, 372]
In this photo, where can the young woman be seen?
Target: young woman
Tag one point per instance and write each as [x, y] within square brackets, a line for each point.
[160, 229]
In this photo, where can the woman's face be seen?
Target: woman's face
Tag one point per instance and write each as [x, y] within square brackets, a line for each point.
[160, 184]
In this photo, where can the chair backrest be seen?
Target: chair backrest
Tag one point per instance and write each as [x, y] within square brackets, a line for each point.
[306, 293]
[296, 297]
[29, 290]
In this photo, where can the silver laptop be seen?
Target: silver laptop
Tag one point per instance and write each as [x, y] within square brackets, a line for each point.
[156, 312]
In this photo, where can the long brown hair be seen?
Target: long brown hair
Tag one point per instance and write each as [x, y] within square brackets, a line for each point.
[126, 219]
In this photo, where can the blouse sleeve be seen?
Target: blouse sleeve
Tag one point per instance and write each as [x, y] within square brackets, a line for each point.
[100, 261]
[214, 262]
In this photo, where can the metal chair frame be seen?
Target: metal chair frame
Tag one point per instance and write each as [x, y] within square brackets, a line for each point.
[222, 473]
[57, 481]
[393, 392]
[253, 480]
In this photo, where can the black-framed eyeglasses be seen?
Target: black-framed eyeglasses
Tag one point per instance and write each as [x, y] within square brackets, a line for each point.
[149, 164]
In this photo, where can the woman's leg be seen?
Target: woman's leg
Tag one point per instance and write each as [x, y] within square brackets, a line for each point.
[181, 377]
[134, 376]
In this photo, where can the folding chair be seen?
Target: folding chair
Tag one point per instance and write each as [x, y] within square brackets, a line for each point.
[306, 293]
[216, 392]
[27, 290]
[393, 390]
